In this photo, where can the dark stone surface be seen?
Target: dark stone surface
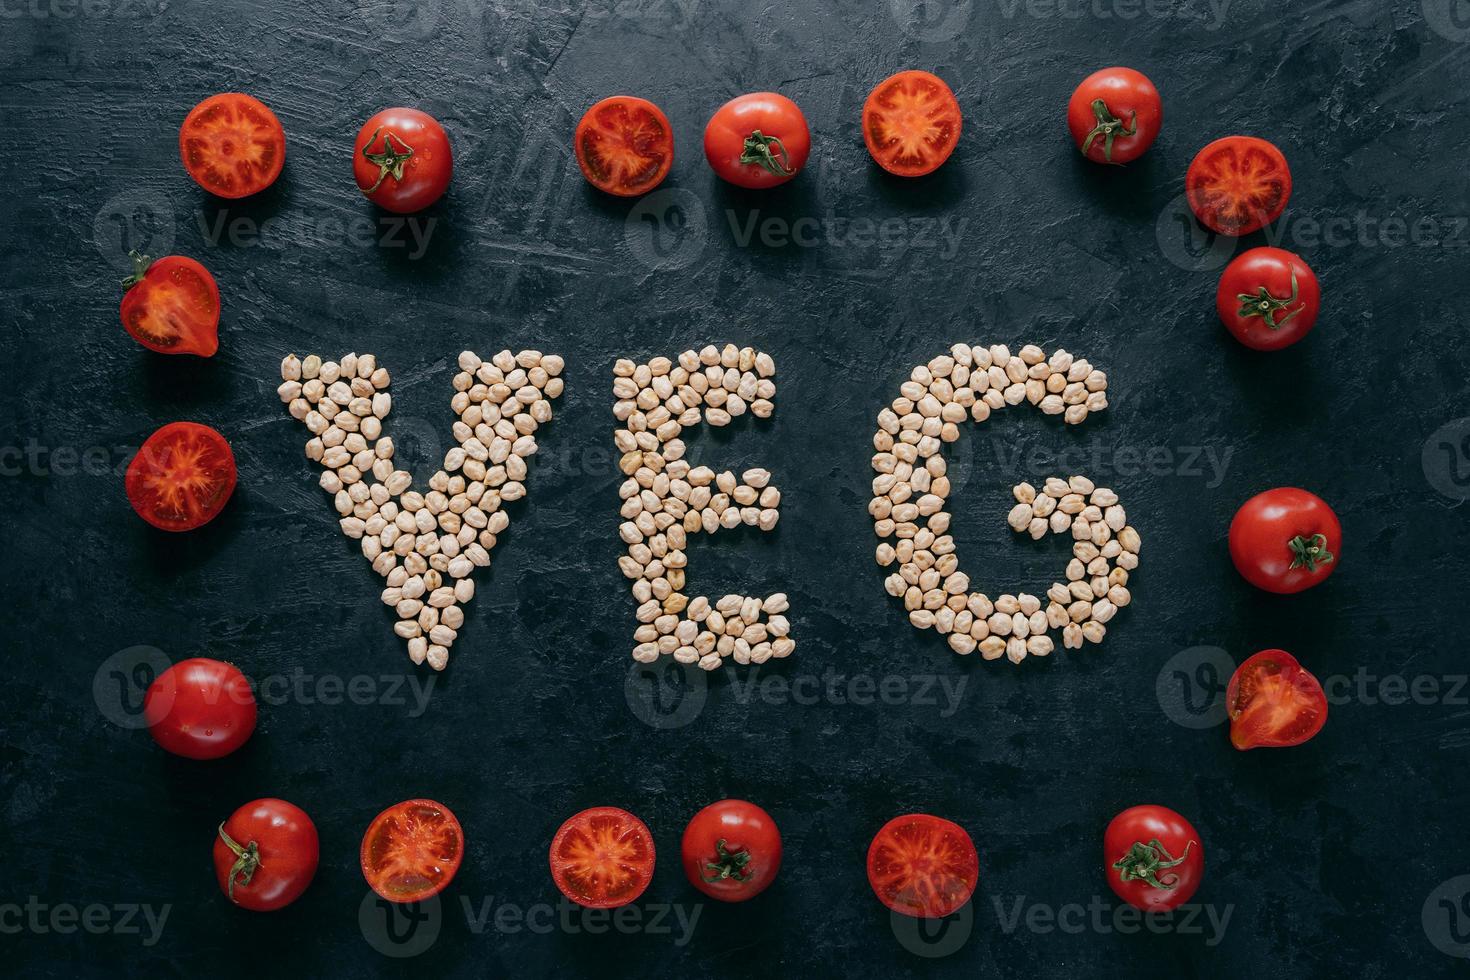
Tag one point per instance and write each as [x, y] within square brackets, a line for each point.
[1325, 856]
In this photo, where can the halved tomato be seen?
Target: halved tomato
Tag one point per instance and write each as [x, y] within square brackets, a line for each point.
[171, 306]
[1273, 702]
[624, 145]
[232, 145]
[602, 858]
[911, 123]
[412, 850]
[182, 476]
[923, 866]
[1238, 184]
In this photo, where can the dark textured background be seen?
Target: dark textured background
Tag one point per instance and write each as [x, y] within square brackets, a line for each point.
[1326, 856]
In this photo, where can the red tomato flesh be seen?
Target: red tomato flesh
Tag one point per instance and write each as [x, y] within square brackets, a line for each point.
[412, 850]
[911, 123]
[624, 145]
[1274, 702]
[1237, 185]
[232, 145]
[923, 866]
[182, 477]
[171, 306]
[602, 858]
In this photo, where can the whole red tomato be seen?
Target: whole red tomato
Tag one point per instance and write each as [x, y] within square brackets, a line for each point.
[1273, 701]
[1237, 185]
[171, 306]
[731, 850]
[923, 866]
[1115, 115]
[1285, 540]
[1153, 858]
[402, 161]
[266, 854]
[1268, 298]
[757, 140]
[200, 709]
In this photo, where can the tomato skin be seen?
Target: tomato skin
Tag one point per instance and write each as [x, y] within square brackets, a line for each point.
[232, 145]
[741, 840]
[602, 858]
[624, 145]
[200, 709]
[282, 863]
[171, 306]
[923, 866]
[1237, 185]
[1249, 315]
[1130, 102]
[911, 123]
[1285, 540]
[412, 851]
[732, 127]
[410, 143]
[1274, 702]
[182, 477]
[1139, 827]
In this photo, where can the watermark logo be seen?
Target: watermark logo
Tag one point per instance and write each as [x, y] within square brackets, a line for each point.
[932, 20]
[1450, 19]
[1102, 917]
[400, 930]
[135, 220]
[40, 918]
[1446, 459]
[667, 230]
[934, 938]
[666, 694]
[1188, 244]
[1446, 917]
[81, 9]
[407, 233]
[122, 682]
[1191, 687]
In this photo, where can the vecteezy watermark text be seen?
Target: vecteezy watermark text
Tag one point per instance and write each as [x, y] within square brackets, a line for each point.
[39, 917]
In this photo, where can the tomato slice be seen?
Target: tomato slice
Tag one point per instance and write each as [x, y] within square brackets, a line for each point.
[1274, 702]
[1238, 184]
[602, 858]
[911, 123]
[172, 306]
[923, 866]
[232, 145]
[624, 145]
[181, 477]
[412, 850]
